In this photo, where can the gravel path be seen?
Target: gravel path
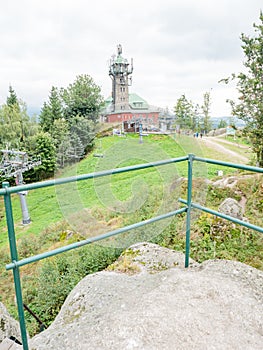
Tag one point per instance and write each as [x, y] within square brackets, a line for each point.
[237, 158]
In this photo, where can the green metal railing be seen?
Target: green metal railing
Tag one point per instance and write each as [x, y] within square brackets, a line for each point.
[15, 264]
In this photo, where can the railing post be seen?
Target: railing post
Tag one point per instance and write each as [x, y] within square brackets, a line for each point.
[188, 213]
[14, 258]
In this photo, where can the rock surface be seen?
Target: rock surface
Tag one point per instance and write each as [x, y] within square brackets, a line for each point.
[9, 327]
[158, 304]
[231, 207]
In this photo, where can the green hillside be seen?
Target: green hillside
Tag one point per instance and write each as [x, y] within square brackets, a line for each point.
[67, 213]
[50, 205]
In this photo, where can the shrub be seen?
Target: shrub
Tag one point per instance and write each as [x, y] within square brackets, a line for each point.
[60, 274]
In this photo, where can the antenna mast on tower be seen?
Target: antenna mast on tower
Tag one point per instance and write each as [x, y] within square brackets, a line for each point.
[120, 74]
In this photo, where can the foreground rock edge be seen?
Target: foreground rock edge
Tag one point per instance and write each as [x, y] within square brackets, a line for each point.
[148, 300]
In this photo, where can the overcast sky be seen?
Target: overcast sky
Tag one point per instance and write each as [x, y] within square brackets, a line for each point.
[178, 46]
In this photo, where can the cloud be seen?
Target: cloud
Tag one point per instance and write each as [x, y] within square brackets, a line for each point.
[178, 46]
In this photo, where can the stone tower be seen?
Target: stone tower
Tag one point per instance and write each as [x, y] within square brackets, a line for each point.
[120, 74]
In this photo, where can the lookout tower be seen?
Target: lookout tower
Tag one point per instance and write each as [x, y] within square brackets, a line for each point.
[120, 74]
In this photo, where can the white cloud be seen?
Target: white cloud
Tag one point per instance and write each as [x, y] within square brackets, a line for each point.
[178, 46]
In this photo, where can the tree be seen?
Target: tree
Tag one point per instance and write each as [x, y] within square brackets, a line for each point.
[76, 150]
[206, 120]
[70, 117]
[51, 110]
[12, 100]
[196, 118]
[55, 104]
[15, 124]
[185, 113]
[231, 122]
[222, 124]
[82, 98]
[41, 145]
[60, 131]
[84, 129]
[250, 89]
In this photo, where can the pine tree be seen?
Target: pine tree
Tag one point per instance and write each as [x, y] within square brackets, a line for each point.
[12, 100]
[51, 110]
[45, 117]
[55, 104]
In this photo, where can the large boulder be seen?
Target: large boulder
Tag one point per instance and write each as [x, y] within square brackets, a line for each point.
[231, 207]
[147, 300]
[217, 132]
[9, 327]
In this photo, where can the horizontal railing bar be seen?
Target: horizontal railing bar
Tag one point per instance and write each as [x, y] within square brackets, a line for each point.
[231, 165]
[41, 256]
[62, 181]
[224, 216]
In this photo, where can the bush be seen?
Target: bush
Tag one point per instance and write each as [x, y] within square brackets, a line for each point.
[59, 275]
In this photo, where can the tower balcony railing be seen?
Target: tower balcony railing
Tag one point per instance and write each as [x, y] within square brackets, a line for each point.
[16, 264]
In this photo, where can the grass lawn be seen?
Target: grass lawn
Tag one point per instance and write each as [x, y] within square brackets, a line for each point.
[236, 147]
[50, 205]
[99, 205]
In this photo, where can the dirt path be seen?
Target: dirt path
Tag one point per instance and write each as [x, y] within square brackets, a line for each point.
[220, 139]
[220, 148]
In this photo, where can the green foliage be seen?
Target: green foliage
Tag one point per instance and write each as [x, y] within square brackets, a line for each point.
[28, 246]
[205, 122]
[222, 124]
[51, 111]
[250, 89]
[12, 100]
[185, 112]
[70, 117]
[189, 117]
[218, 238]
[15, 124]
[82, 129]
[42, 145]
[82, 98]
[60, 132]
[215, 238]
[216, 195]
[59, 275]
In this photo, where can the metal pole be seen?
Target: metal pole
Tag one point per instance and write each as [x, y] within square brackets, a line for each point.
[14, 258]
[188, 213]
[22, 195]
[140, 132]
